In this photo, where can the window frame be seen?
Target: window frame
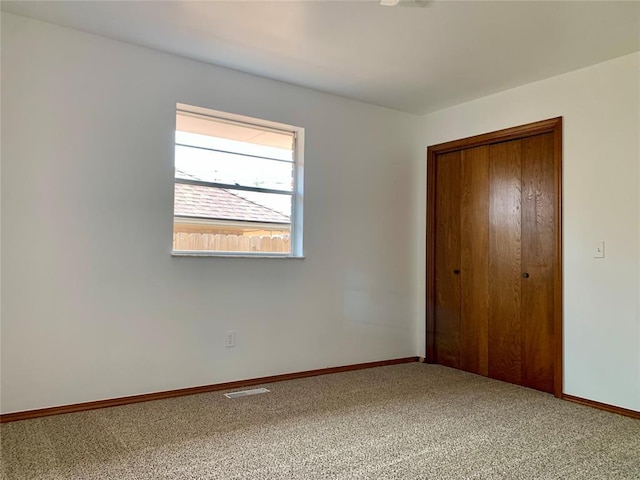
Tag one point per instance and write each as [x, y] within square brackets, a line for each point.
[297, 194]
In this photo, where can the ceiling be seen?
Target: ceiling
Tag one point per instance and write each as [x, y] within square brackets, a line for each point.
[415, 60]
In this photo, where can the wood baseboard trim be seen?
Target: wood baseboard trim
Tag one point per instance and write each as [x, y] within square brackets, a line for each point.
[146, 397]
[602, 406]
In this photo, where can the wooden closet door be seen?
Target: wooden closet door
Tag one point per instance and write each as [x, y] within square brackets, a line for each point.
[447, 260]
[538, 259]
[474, 279]
[494, 257]
[505, 262]
[462, 259]
[521, 259]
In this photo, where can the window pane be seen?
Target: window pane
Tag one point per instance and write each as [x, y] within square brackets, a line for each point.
[220, 161]
[225, 145]
[210, 166]
[228, 204]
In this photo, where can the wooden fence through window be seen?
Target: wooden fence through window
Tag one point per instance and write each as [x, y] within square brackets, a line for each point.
[183, 241]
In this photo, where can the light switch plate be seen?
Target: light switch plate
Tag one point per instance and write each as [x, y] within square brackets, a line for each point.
[598, 250]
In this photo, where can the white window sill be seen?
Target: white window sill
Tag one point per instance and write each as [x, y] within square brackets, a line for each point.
[227, 255]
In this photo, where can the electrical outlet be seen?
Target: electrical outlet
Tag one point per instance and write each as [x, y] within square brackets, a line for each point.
[230, 339]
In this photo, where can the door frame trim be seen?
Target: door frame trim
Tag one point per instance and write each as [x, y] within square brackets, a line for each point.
[551, 125]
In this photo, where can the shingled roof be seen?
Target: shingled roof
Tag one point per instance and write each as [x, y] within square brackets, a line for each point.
[221, 204]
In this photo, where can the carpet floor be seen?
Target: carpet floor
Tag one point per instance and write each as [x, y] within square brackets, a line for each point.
[410, 421]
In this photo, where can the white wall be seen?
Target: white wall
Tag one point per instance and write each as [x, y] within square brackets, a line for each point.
[600, 106]
[93, 304]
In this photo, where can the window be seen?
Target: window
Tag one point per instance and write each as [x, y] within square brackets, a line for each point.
[238, 185]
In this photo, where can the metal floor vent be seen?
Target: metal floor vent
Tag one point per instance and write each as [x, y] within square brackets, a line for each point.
[245, 393]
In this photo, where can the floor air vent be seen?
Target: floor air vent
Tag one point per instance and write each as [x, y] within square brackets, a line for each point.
[245, 393]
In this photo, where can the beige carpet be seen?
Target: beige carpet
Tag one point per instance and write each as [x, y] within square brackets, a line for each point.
[409, 421]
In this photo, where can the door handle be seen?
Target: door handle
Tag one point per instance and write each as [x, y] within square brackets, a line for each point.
[525, 275]
[456, 271]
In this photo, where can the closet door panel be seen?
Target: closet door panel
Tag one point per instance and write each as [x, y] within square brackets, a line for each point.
[474, 278]
[447, 260]
[505, 328]
[538, 246]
